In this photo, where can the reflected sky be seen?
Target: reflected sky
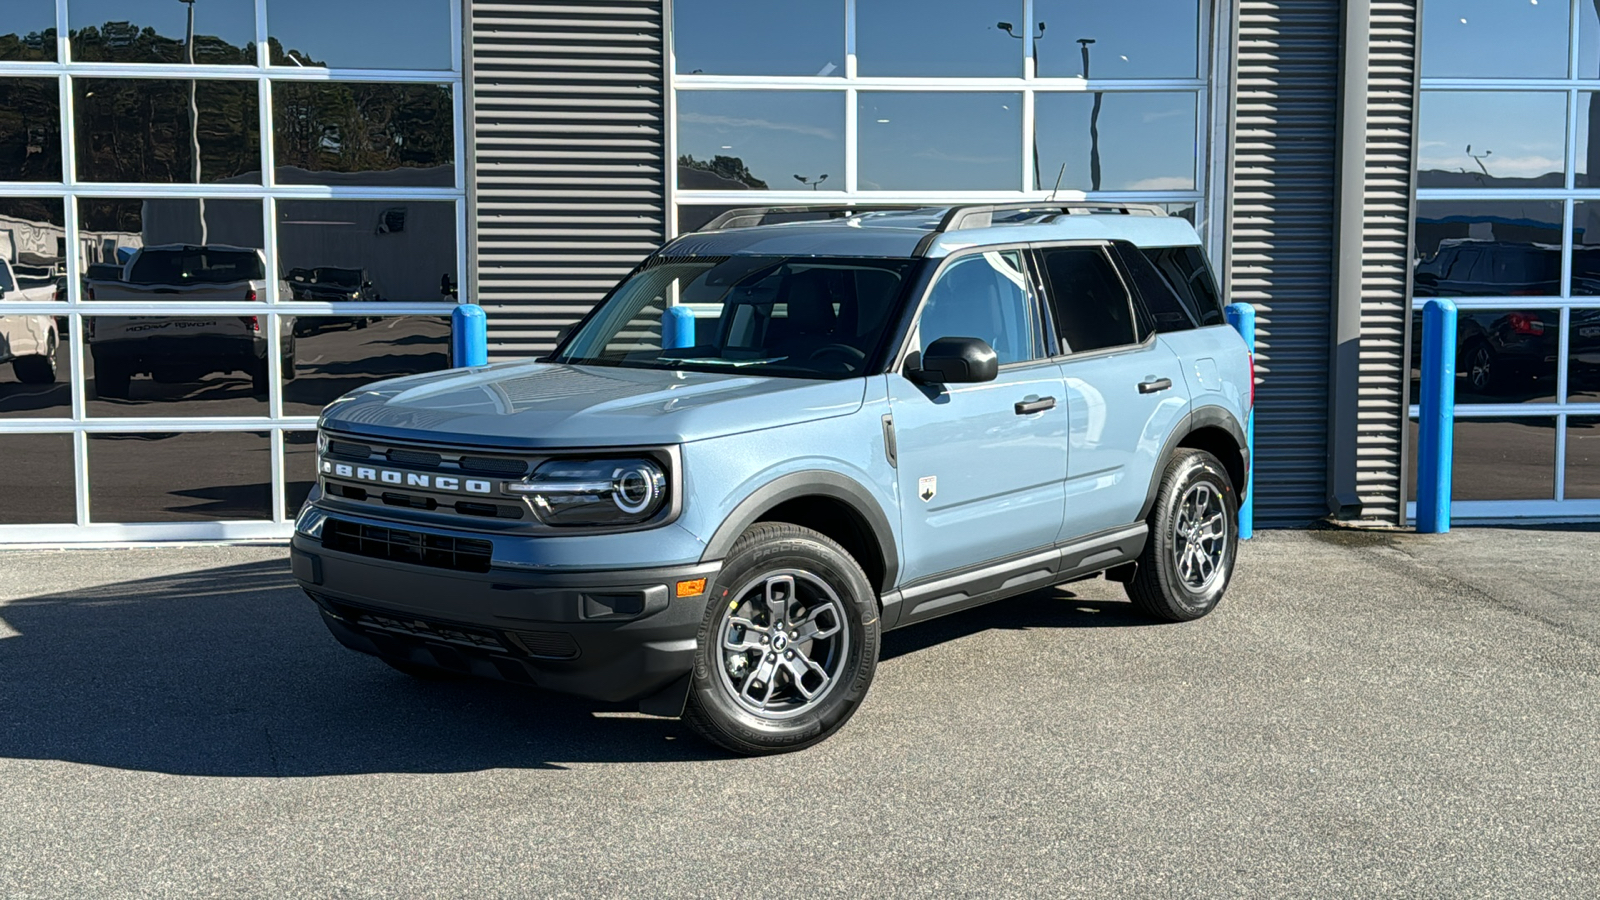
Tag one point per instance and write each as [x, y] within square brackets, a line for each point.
[1132, 38]
[907, 142]
[363, 34]
[232, 21]
[739, 37]
[25, 19]
[937, 37]
[1516, 139]
[1147, 141]
[773, 136]
[1495, 38]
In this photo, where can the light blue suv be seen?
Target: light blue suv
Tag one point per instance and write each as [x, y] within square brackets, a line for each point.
[776, 440]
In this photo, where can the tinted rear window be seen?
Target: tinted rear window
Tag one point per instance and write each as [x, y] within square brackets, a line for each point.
[1186, 274]
[195, 265]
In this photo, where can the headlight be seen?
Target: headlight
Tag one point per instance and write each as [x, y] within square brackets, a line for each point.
[594, 491]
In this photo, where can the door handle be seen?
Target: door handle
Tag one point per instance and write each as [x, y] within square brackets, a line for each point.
[1150, 387]
[1028, 407]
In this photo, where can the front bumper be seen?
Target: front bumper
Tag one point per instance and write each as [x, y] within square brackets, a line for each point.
[610, 635]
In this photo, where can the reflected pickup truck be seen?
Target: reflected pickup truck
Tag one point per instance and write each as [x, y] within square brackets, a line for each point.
[774, 441]
[177, 350]
[29, 342]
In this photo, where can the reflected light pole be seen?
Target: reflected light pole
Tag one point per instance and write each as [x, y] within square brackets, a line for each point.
[1007, 28]
[1094, 122]
[194, 115]
[813, 182]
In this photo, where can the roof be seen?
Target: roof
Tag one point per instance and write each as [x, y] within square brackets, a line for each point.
[900, 233]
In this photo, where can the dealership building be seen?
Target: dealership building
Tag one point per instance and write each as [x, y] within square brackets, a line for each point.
[314, 185]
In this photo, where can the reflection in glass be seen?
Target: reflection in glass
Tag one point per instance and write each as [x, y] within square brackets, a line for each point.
[359, 34]
[207, 365]
[367, 250]
[140, 129]
[1583, 356]
[30, 129]
[1488, 248]
[112, 230]
[946, 38]
[363, 133]
[1583, 459]
[1494, 39]
[154, 31]
[174, 477]
[1588, 41]
[1504, 459]
[32, 251]
[760, 140]
[1475, 139]
[36, 480]
[907, 142]
[28, 33]
[299, 469]
[737, 37]
[1502, 355]
[1137, 142]
[1130, 38]
[337, 354]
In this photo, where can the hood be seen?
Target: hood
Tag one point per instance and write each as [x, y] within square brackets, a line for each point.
[540, 405]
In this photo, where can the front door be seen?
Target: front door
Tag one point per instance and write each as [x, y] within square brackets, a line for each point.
[1125, 390]
[980, 465]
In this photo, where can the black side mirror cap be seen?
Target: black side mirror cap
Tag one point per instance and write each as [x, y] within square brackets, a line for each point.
[956, 360]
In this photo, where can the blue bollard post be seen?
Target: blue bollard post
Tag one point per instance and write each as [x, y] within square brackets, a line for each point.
[469, 336]
[1242, 316]
[677, 328]
[1436, 429]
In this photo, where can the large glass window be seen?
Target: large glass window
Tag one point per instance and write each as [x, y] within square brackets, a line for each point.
[1503, 230]
[174, 312]
[985, 296]
[879, 101]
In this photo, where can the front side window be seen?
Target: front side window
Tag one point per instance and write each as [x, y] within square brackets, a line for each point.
[1092, 308]
[796, 317]
[984, 296]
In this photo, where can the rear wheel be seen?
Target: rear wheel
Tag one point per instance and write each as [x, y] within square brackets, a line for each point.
[40, 369]
[1483, 375]
[1194, 538]
[111, 379]
[788, 646]
[259, 377]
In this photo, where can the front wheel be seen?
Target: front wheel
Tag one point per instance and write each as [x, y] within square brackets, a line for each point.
[39, 369]
[788, 646]
[1194, 538]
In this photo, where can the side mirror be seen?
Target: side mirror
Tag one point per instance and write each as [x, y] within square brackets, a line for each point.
[957, 360]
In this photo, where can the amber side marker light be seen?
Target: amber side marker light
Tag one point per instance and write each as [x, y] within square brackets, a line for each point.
[692, 588]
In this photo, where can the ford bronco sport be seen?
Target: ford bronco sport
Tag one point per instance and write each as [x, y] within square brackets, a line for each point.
[769, 444]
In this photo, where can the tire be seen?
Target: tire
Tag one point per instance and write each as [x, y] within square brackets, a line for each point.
[1483, 375]
[1170, 584]
[421, 672]
[260, 377]
[111, 380]
[814, 584]
[39, 369]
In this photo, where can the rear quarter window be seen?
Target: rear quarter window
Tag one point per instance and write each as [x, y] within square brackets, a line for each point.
[1176, 285]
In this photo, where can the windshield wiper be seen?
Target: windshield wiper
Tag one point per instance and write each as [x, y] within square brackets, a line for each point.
[718, 361]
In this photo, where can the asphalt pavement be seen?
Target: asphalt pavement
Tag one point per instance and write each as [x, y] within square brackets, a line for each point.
[1367, 714]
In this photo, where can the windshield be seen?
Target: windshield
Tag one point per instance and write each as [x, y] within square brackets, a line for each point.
[344, 277]
[195, 265]
[810, 317]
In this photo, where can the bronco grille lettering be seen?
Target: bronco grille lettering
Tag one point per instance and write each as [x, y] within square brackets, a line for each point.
[409, 479]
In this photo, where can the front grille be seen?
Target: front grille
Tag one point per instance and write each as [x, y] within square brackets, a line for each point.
[435, 550]
[548, 644]
[428, 461]
[349, 450]
[415, 459]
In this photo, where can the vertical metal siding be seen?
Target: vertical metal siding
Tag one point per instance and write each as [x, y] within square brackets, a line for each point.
[568, 120]
[1283, 240]
[1386, 258]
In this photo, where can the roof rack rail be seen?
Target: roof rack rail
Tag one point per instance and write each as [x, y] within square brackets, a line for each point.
[757, 215]
[982, 216]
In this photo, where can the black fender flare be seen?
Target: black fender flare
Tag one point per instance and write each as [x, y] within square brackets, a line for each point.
[1209, 416]
[810, 483]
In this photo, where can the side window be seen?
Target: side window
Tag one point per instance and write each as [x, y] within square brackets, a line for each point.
[1092, 309]
[1185, 271]
[1166, 308]
[983, 295]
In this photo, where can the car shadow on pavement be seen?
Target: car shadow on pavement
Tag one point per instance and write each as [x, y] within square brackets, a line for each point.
[1057, 607]
[229, 672]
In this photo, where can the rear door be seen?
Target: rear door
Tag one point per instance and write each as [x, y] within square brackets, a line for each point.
[1125, 390]
[980, 465]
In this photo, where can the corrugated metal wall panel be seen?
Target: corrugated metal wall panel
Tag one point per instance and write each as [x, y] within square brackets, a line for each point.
[1386, 255]
[568, 120]
[1282, 249]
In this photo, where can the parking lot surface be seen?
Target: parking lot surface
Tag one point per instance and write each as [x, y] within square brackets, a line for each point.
[1366, 714]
